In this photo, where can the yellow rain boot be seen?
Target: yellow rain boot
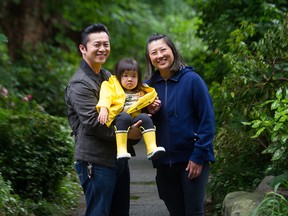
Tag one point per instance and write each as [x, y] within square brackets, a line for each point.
[153, 151]
[121, 141]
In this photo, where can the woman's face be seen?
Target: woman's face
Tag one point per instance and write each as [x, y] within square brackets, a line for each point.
[161, 55]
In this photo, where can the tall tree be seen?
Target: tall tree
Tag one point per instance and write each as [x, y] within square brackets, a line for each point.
[27, 23]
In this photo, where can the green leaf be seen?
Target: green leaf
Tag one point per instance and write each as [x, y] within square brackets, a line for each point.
[258, 132]
[275, 105]
[256, 123]
[278, 154]
[277, 126]
[279, 94]
[246, 123]
[3, 39]
[284, 138]
[283, 118]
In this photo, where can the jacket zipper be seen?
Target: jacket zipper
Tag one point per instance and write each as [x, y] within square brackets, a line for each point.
[166, 97]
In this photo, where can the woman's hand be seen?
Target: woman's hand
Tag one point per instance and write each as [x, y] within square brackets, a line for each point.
[154, 107]
[194, 170]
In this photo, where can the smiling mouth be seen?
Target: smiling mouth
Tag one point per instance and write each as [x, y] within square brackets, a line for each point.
[101, 55]
[162, 61]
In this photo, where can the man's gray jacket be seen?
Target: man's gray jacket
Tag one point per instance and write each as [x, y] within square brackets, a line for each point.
[94, 142]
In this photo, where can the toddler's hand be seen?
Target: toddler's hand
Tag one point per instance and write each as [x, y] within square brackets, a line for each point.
[103, 116]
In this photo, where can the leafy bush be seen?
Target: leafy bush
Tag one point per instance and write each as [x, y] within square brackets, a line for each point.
[274, 203]
[43, 75]
[66, 198]
[257, 68]
[275, 125]
[35, 152]
[9, 203]
[235, 168]
[33, 143]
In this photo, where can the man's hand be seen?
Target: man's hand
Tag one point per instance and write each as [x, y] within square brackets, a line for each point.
[134, 132]
[194, 170]
[154, 107]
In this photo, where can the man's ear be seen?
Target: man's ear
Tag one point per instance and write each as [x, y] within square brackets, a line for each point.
[82, 48]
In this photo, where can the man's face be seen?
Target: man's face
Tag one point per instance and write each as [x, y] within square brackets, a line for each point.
[97, 49]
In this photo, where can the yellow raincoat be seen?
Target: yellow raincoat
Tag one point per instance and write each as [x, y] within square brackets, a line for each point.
[112, 96]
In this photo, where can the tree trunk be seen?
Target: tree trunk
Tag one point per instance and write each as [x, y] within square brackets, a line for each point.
[24, 25]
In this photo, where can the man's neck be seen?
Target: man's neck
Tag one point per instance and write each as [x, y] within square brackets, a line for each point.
[96, 68]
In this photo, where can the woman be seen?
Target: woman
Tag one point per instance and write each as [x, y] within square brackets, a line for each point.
[185, 128]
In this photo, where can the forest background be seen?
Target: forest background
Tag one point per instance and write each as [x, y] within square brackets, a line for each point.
[238, 47]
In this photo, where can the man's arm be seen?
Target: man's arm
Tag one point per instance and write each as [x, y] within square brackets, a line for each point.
[83, 100]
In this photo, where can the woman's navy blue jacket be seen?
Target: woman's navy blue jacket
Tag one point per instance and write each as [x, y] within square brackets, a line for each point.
[185, 123]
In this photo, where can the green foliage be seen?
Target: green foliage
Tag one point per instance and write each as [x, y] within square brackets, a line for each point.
[9, 203]
[16, 101]
[241, 54]
[221, 18]
[260, 70]
[275, 125]
[279, 179]
[129, 22]
[69, 192]
[3, 39]
[44, 69]
[41, 75]
[66, 197]
[45, 208]
[254, 76]
[239, 163]
[274, 203]
[255, 62]
[35, 152]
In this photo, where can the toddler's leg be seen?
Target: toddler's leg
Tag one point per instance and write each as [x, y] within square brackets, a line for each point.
[149, 136]
[121, 125]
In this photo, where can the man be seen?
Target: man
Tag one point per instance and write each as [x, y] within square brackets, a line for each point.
[105, 180]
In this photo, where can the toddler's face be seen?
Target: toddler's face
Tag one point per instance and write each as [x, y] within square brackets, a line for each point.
[129, 79]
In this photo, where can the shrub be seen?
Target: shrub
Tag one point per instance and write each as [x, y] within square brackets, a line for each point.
[35, 152]
[273, 124]
[9, 203]
[274, 203]
[235, 168]
[43, 75]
